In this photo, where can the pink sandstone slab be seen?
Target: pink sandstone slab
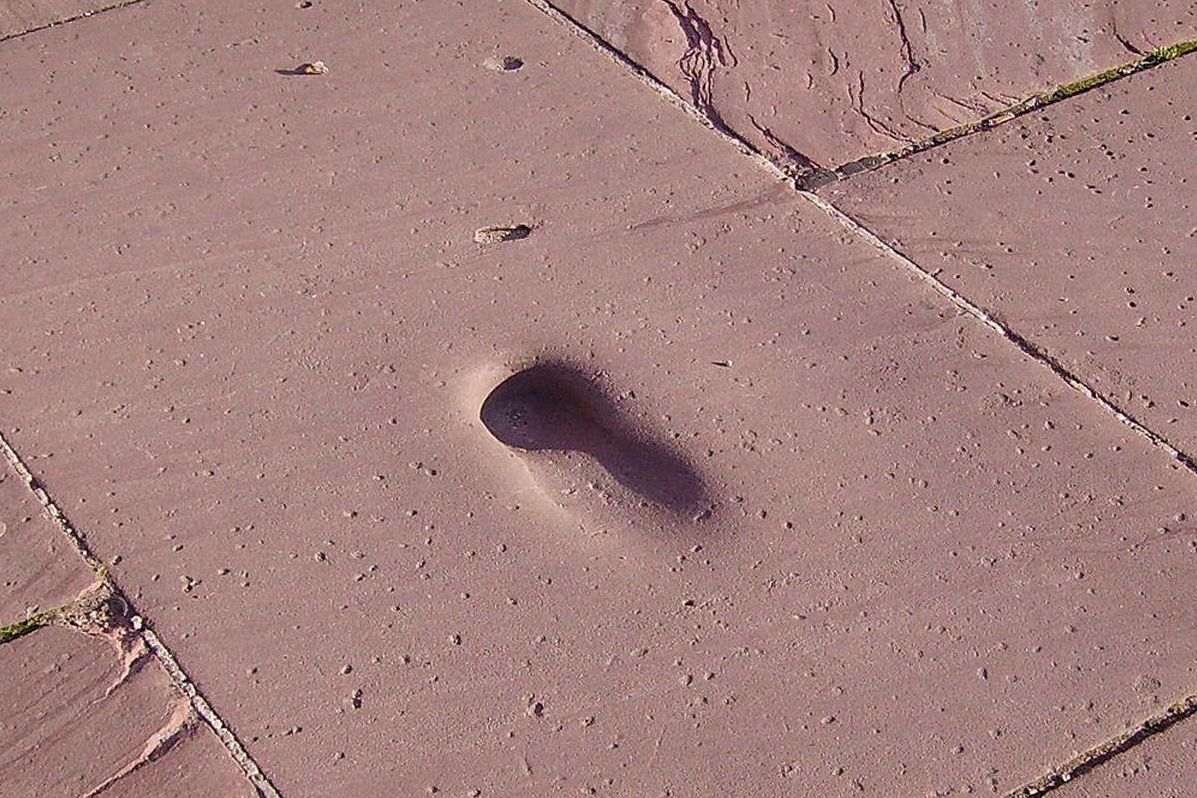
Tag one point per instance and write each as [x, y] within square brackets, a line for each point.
[786, 525]
[197, 766]
[1076, 228]
[74, 720]
[1164, 766]
[820, 83]
[39, 569]
[21, 16]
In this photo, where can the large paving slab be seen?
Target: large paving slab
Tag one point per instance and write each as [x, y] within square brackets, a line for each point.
[21, 16]
[77, 721]
[1165, 766]
[1076, 228]
[39, 568]
[823, 82]
[768, 518]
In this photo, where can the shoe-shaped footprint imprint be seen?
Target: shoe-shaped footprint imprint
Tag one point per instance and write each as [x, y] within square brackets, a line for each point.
[583, 454]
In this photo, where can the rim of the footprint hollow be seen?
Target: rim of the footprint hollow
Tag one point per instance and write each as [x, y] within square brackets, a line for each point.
[555, 406]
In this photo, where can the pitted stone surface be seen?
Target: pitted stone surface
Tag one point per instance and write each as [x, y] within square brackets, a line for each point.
[257, 331]
[1075, 227]
[817, 83]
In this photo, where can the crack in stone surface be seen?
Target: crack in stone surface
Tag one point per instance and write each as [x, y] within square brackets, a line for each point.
[27, 625]
[596, 41]
[99, 611]
[179, 724]
[875, 124]
[705, 53]
[197, 701]
[1100, 754]
[788, 157]
[1126, 43]
[1178, 711]
[26, 476]
[800, 161]
[800, 61]
[103, 610]
[1033, 103]
[959, 300]
[1034, 352]
[912, 66]
[96, 611]
[55, 23]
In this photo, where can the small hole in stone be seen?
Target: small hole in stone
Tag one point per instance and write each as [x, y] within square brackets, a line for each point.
[497, 234]
[507, 63]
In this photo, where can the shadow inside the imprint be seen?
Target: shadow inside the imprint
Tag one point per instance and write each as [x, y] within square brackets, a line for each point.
[554, 407]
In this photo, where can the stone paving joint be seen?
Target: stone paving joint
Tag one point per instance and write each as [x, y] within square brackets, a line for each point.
[1029, 349]
[1183, 708]
[104, 609]
[807, 175]
[105, 604]
[1035, 102]
[1095, 757]
[1155, 58]
[110, 7]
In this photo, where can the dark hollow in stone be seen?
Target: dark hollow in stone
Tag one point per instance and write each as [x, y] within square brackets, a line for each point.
[554, 407]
